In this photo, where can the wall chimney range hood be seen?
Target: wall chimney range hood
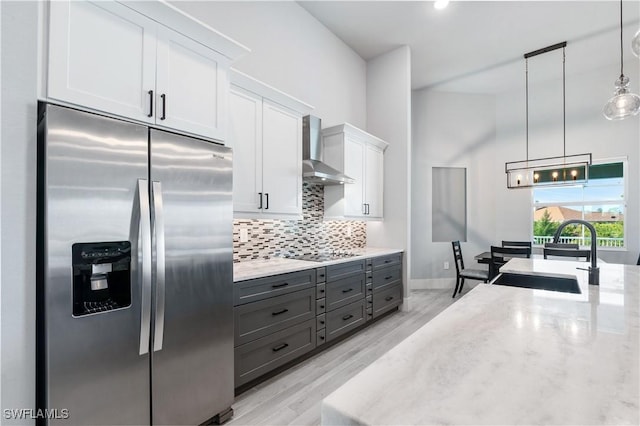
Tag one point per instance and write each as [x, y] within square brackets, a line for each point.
[314, 171]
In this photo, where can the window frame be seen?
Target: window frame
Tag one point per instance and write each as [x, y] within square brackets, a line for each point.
[625, 180]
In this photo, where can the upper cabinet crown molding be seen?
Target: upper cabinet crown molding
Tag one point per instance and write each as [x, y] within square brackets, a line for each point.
[249, 83]
[355, 133]
[174, 18]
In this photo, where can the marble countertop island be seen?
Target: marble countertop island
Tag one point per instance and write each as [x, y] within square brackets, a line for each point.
[508, 355]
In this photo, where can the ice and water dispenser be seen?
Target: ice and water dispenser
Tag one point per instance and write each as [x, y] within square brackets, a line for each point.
[101, 277]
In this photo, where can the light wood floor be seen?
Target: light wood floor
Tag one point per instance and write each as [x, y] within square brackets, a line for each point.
[294, 396]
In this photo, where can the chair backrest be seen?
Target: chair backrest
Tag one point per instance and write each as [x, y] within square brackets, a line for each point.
[457, 256]
[562, 246]
[516, 243]
[567, 253]
[638, 262]
[499, 253]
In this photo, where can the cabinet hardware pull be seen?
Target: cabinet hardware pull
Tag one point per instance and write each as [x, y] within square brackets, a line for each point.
[279, 285]
[364, 209]
[150, 103]
[267, 195]
[346, 317]
[164, 106]
[321, 306]
[321, 322]
[388, 298]
[281, 347]
[279, 312]
[387, 261]
[260, 195]
[322, 291]
[347, 290]
[388, 277]
[370, 301]
[321, 337]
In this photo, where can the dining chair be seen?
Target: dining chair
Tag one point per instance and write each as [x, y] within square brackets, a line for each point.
[562, 246]
[561, 252]
[516, 243]
[463, 273]
[638, 262]
[498, 255]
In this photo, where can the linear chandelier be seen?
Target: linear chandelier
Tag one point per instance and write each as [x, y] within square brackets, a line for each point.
[549, 171]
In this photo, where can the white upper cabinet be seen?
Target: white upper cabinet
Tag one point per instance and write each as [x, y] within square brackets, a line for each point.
[360, 156]
[109, 57]
[265, 132]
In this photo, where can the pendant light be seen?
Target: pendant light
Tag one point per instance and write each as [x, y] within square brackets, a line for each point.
[623, 104]
[550, 171]
[635, 44]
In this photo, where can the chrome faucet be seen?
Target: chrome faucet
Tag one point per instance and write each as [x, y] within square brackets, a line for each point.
[594, 271]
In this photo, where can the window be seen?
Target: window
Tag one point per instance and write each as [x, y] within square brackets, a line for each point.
[600, 201]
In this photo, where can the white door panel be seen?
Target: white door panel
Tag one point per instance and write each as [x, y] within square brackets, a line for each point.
[102, 55]
[354, 168]
[374, 181]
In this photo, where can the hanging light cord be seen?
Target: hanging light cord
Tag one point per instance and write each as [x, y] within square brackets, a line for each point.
[526, 95]
[564, 107]
[621, 49]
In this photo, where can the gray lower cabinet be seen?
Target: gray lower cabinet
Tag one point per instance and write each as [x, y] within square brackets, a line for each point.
[258, 319]
[256, 358]
[282, 317]
[345, 319]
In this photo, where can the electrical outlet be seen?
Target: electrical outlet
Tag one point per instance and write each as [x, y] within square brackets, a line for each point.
[446, 265]
[244, 235]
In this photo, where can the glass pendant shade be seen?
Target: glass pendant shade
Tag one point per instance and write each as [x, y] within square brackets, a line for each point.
[623, 104]
[635, 44]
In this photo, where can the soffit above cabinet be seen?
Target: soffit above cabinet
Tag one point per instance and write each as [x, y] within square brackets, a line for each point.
[249, 83]
[356, 133]
[174, 18]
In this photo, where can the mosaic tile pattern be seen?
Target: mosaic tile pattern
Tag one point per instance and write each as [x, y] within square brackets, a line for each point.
[276, 238]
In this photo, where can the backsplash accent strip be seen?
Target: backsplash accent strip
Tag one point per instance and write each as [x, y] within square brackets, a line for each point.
[277, 238]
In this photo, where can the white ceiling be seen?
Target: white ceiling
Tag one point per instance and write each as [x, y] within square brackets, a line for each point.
[478, 46]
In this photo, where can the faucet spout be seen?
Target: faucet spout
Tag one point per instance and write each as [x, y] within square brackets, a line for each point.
[594, 271]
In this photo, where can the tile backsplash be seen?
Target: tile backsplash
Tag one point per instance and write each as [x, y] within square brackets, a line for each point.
[276, 238]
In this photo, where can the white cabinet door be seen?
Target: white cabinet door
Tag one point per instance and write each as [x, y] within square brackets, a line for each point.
[354, 152]
[374, 181]
[245, 137]
[282, 159]
[102, 56]
[191, 86]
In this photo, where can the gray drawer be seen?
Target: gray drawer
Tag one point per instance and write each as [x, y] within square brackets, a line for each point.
[321, 306]
[345, 319]
[386, 300]
[321, 337]
[384, 261]
[258, 319]
[342, 270]
[387, 277]
[321, 275]
[320, 322]
[276, 285]
[345, 291]
[321, 290]
[256, 358]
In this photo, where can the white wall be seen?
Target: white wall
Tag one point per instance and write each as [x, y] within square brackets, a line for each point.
[293, 52]
[18, 189]
[451, 130]
[389, 118]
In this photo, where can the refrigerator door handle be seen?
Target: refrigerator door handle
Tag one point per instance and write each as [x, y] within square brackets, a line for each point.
[145, 237]
[158, 210]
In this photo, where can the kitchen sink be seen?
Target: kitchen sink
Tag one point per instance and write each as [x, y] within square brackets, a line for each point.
[538, 282]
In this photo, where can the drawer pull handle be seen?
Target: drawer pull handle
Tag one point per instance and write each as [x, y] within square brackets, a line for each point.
[370, 301]
[388, 277]
[347, 290]
[388, 298]
[347, 317]
[281, 347]
[322, 291]
[321, 306]
[321, 322]
[387, 261]
[279, 285]
[279, 312]
[321, 337]
[321, 275]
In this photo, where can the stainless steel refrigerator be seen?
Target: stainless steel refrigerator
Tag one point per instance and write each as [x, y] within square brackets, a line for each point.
[134, 307]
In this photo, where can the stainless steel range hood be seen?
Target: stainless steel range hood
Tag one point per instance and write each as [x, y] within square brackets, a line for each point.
[314, 171]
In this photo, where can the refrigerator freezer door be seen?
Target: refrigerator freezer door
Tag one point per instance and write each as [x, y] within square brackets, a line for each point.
[89, 361]
[192, 378]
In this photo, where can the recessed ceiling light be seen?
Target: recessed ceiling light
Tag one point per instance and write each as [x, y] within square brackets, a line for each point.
[441, 4]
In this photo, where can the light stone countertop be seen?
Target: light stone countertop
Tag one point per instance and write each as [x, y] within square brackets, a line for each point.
[508, 355]
[278, 265]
